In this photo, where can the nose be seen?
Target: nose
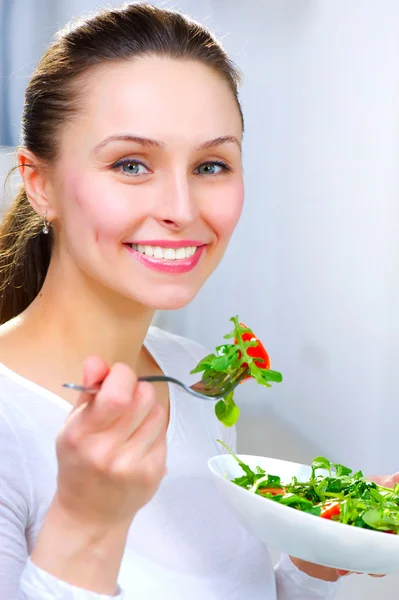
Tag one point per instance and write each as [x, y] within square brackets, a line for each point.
[177, 207]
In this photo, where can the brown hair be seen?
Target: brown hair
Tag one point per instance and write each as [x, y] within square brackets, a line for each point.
[135, 30]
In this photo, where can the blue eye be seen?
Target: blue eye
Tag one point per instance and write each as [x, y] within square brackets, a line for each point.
[212, 168]
[131, 167]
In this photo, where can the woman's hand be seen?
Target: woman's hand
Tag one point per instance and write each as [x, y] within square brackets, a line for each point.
[386, 481]
[111, 458]
[327, 573]
[112, 450]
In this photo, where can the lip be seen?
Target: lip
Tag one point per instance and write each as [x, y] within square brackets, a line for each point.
[168, 244]
[162, 265]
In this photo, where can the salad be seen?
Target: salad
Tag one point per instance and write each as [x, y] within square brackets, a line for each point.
[340, 495]
[245, 349]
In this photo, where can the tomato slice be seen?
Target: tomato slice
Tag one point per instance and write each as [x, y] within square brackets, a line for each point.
[331, 510]
[273, 491]
[257, 351]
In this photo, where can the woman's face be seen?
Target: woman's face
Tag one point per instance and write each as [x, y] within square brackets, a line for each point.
[148, 188]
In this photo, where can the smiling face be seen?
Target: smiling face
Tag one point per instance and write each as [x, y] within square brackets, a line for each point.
[148, 186]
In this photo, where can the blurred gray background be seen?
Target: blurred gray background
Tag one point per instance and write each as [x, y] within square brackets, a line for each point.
[313, 266]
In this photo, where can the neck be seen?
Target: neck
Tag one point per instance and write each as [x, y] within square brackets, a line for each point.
[74, 317]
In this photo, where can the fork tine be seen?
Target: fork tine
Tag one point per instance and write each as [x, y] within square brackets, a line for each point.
[241, 372]
[232, 381]
[224, 383]
[215, 380]
[238, 374]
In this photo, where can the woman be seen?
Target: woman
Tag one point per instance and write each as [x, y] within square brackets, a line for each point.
[131, 165]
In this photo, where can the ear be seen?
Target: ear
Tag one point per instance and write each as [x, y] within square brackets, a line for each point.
[36, 183]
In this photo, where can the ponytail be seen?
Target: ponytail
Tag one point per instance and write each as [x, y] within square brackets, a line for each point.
[24, 257]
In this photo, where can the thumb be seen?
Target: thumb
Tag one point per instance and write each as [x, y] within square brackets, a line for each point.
[95, 370]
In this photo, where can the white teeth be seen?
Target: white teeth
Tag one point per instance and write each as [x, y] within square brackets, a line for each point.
[180, 253]
[158, 253]
[165, 253]
[169, 253]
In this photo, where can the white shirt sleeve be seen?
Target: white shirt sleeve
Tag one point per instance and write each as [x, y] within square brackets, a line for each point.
[37, 584]
[293, 584]
[20, 579]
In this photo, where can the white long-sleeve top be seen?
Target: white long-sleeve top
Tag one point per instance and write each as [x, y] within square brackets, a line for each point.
[185, 544]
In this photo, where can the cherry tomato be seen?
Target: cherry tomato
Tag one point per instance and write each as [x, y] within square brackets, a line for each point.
[330, 510]
[257, 351]
[273, 491]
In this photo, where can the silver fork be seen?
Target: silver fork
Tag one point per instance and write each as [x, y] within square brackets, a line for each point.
[213, 387]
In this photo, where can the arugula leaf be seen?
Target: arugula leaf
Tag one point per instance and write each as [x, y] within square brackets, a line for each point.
[251, 476]
[341, 470]
[300, 503]
[227, 411]
[320, 463]
[349, 499]
[230, 358]
[377, 519]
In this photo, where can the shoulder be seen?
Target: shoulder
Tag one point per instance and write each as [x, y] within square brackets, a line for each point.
[29, 424]
[11, 432]
[173, 346]
[178, 355]
[15, 489]
[8, 436]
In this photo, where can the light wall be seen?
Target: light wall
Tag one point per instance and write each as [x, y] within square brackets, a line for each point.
[313, 264]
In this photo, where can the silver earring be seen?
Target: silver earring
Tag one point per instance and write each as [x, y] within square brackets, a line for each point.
[46, 224]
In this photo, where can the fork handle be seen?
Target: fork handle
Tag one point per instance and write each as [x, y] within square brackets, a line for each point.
[96, 388]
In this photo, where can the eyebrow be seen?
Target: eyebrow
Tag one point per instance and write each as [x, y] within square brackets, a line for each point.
[219, 141]
[148, 142]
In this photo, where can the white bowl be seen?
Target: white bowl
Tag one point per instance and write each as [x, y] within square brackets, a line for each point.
[300, 534]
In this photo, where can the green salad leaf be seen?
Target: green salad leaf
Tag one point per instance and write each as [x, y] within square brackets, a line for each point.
[244, 349]
[337, 494]
[227, 410]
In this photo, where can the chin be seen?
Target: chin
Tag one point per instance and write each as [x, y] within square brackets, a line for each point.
[169, 300]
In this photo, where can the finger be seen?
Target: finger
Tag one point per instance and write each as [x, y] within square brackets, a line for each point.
[113, 400]
[343, 573]
[156, 456]
[95, 370]
[143, 402]
[145, 450]
[150, 467]
[385, 480]
[151, 432]
[137, 409]
[152, 428]
[379, 479]
[391, 480]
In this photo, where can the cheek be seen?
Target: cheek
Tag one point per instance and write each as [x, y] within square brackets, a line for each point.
[94, 208]
[225, 212]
